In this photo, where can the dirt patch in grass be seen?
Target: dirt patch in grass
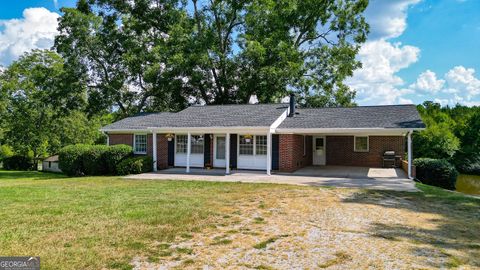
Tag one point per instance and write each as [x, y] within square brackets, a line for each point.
[312, 228]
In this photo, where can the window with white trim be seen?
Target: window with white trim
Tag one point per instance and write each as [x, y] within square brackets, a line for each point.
[245, 145]
[260, 145]
[361, 144]
[140, 143]
[181, 143]
[197, 144]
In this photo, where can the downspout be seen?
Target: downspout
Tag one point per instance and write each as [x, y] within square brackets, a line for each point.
[409, 145]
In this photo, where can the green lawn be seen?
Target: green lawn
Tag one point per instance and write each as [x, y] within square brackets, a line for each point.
[95, 222]
[103, 222]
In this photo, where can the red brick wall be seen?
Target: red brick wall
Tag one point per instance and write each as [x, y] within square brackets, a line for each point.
[340, 150]
[162, 146]
[291, 151]
[121, 139]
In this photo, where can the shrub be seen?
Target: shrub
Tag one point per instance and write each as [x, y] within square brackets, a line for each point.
[70, 159]
[115, 154]
[20, 163]
[436, 172]
[93, 160]
[135, 165]
[5, 151]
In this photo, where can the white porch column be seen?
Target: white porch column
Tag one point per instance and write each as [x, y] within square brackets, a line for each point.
[108, 139]
[409, 143]
[227, 153]
[189, 150]
[154, 139]
[269, 153]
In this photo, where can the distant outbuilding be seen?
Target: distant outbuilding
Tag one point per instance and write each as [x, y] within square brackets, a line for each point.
[50, 164]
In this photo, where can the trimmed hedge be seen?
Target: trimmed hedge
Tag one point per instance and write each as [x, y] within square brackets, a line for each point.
[70, 159]
[93, 160]
[436, 172]
[19, 163]
[115, 154]
[135, 165]
[80, 159]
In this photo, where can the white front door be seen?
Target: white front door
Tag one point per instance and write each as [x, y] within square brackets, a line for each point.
[319, 150]
[219, 151]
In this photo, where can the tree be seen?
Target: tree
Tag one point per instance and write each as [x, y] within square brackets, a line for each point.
[149, 55]
[39, 91]
[438, 139]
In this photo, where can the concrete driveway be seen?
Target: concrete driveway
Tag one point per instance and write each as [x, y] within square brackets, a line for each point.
[336, 176]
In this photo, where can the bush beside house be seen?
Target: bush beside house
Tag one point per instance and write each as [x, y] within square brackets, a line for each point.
[436, 172]
[79, 160]
[135, 165]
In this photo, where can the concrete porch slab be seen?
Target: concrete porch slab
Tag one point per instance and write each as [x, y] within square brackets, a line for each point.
[336, 176]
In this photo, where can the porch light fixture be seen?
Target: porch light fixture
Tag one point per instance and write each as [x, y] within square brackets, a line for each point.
[248, 138]
[170, 137]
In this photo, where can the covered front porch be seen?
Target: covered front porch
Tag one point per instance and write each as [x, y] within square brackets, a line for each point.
[334, 176]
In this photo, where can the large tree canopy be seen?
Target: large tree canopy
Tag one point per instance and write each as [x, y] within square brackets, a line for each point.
[41, 102]
[144, 55]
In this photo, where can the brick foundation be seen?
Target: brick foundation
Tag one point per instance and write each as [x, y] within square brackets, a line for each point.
[291, 152]
[340, 150]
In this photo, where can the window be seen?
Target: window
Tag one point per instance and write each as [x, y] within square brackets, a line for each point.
[260, 145]
[245, 145]
[140, 144]
[196, 144]
[181, 142]
[220, 147]
[361, 144]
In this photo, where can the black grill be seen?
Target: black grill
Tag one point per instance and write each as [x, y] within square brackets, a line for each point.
[389, 158]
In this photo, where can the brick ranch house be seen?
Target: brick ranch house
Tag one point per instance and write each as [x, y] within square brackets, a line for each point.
[270, 137]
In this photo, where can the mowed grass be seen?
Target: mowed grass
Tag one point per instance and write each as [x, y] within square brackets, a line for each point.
[103, 222]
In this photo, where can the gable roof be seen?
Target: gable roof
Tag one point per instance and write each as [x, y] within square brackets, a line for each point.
[388, 116]
[245, 115]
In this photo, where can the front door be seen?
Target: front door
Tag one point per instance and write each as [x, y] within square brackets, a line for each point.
[219, 151]
[319, 153]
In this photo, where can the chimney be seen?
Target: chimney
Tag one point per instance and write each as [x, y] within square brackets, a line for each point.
[292, 105]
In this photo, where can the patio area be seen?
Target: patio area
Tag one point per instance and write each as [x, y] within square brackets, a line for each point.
[336, 176]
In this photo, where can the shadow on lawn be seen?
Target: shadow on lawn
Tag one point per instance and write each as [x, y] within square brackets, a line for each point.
[28, 175]
[457, 227]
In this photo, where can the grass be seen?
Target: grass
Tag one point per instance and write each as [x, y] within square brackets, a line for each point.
[103, 222]
[98, 222]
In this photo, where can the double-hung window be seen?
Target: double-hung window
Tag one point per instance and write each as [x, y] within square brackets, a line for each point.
[197, 144]
[181, 144]
[245, 145]
[361, 144]
[252, 145]
[260, 145]
[140, 143]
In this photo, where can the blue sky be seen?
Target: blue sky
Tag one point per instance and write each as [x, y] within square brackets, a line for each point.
[417, 49]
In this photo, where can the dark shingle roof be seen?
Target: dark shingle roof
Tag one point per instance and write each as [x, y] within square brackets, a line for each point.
[255, 115]
[389, 116]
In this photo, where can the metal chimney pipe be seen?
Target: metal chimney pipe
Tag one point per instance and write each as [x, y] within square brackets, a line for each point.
[292, 105]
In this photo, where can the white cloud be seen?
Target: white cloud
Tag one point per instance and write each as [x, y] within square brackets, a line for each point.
[464, 80]
[388, 18]
[405, 101]
[428, 82]
[37, 29]
[376, 82]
